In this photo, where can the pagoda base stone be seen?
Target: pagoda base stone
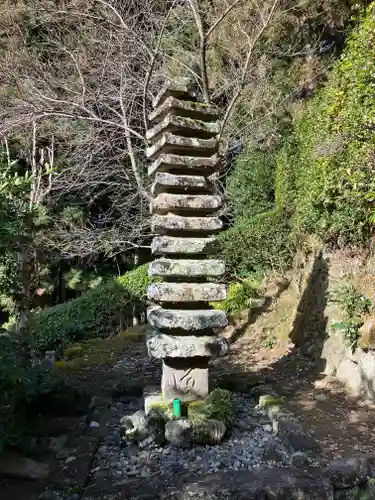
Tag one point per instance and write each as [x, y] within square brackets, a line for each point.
[185, 378]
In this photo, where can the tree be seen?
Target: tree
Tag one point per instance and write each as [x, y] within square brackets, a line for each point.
[24, 186]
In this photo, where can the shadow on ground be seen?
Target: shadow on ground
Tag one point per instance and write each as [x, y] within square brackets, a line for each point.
[341, 423]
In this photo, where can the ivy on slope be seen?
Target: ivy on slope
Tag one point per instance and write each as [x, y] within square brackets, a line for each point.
[323, 181]
[334, 157]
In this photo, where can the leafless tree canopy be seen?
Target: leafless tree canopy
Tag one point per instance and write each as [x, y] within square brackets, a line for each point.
[85, 72]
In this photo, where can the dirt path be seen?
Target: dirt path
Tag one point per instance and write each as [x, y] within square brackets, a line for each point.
[341, 423]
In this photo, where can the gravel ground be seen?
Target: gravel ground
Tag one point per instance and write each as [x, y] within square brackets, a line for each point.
[249, 444]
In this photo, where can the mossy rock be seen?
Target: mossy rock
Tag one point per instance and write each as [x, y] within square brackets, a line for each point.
[196, 411]
[164, 409]
[134, 334]
[190, 409]
[208, 432]
[272, 405]
[75, 351]
[368, 491]
[268, 400]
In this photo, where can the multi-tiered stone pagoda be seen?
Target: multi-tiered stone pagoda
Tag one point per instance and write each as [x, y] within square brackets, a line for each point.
[183, 150]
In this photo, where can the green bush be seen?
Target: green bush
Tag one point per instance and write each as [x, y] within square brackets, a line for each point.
[258, 243]
[333, 161]
[354, 306]
[251, 184]
[219, 406]
[96, 313]
[240, 295]
[136, 281]
[20, 384]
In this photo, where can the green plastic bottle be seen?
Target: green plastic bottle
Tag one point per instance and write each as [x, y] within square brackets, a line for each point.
[177, 408]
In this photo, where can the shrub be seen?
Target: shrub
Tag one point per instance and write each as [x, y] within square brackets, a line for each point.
[240, 295]
[334, 159]
[136, 282]
[20, 384]
[258, 243]
[96, 313]
[251, 184]
[219, 406]
[354, 306]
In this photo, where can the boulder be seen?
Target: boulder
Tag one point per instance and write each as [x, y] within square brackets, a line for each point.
[347, 472]
[366, 364]
[208, 432]
[183, 433]
[17, 466]
[367, 332]
[178, 432]
[272, 452]
[349, 373]
[334, 351]
[146, 430]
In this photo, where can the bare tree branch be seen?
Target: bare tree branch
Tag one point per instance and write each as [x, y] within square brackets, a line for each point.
[242, 81]
[202, 48]
[152, 63]
[220, 19]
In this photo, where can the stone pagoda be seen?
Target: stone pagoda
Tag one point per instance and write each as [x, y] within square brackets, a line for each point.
[183, 149]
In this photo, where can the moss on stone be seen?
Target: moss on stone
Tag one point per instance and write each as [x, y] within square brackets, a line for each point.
[164, 409]
[74, 351]
[196, 411]
[268, 400]
[134, 334]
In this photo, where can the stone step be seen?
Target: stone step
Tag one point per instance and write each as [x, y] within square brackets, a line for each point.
[161, 224]
[185, 164]
[186, 292]
[176, 144]
[166, 245]
[164, 181]
[181, 319]
[181, 89]
[162, 346]
[175, 124]
[185, 203]
[190, 109]
[181, 268]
